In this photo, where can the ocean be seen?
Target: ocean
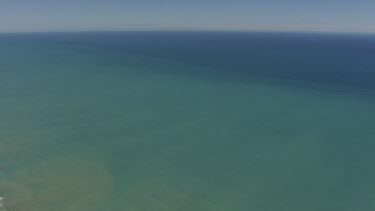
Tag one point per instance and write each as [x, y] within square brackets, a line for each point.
[187, 121]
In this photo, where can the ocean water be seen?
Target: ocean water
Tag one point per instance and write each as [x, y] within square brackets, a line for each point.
[183, 121]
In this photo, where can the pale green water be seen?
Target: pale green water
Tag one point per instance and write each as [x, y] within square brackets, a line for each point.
[80, 132]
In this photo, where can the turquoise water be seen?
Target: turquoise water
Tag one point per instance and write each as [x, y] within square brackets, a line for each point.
[87, 127]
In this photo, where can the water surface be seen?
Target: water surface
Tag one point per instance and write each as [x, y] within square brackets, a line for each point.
[187, 121]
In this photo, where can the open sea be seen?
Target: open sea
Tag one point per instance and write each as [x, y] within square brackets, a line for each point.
[187, 121]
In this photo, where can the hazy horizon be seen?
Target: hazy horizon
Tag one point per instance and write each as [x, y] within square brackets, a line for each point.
[346, 16]
[194, 31]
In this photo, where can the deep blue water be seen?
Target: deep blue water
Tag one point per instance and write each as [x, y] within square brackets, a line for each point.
[331, 60]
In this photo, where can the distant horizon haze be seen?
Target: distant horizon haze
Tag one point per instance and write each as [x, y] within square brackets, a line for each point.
[346, 16]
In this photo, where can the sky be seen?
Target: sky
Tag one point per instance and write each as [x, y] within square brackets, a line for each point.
[264, 15]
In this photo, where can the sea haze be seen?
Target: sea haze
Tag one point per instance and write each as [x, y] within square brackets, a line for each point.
[187, 121]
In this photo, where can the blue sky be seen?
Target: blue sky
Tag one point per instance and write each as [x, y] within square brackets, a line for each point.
[279, 15]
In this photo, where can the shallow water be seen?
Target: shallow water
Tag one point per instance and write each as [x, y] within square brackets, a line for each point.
[90, 125]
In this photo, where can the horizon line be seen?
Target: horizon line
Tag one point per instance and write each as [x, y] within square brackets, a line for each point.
[191, 30]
